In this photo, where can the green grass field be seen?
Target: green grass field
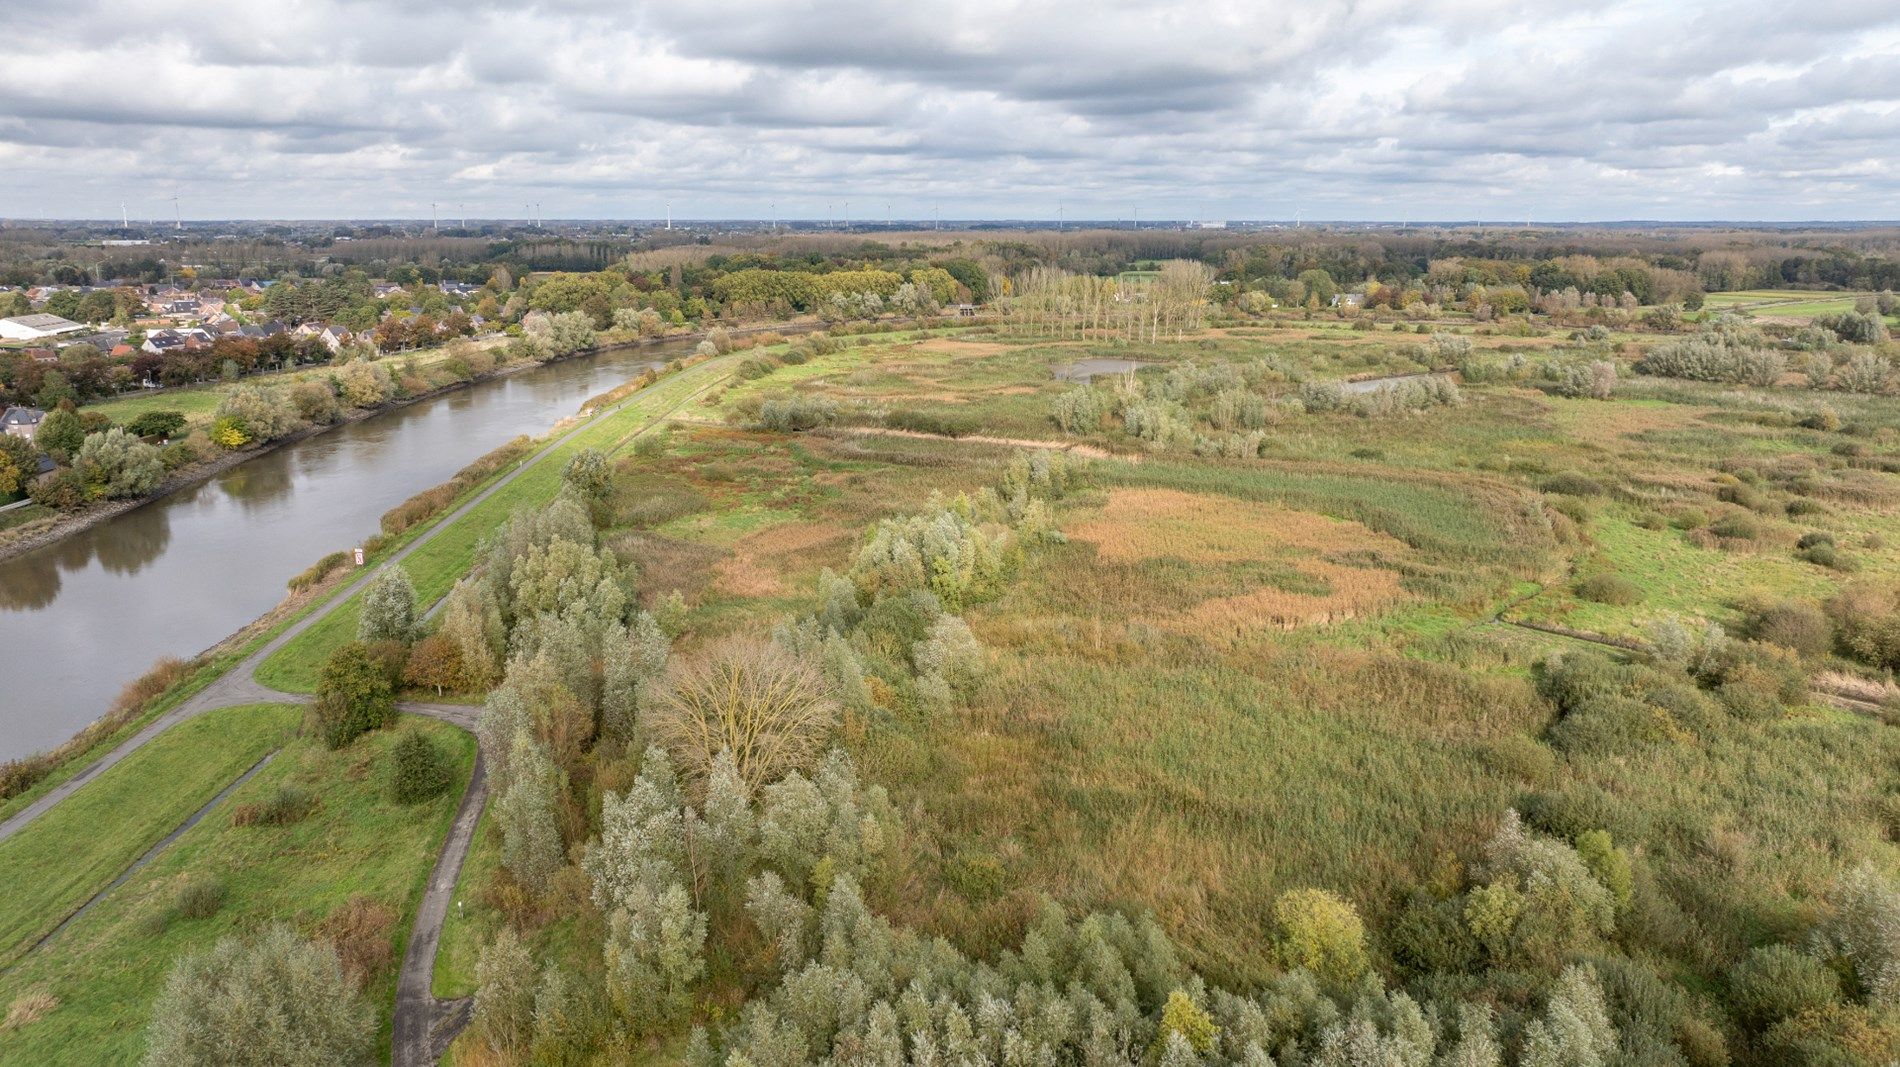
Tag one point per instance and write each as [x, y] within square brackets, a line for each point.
[1785, 303]
[73, 851]
[109, 967]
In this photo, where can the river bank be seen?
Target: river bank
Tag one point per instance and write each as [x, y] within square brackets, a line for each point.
[31, 536]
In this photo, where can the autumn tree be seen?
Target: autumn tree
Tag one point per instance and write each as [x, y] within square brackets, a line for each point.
[115, 464]
[19, 464]
[435, 663]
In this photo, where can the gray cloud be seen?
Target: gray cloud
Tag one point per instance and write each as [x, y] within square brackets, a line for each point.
[1341, 108]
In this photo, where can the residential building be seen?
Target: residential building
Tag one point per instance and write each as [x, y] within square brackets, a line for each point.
[21, 422]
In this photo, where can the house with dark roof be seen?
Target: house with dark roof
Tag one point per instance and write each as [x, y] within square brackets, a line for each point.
[21, 422]
[104, 340]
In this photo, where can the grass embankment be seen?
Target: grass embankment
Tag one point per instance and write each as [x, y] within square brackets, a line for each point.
[108, 968]
[435, 566]
[74, 850]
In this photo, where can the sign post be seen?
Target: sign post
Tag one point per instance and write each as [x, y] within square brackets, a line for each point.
[359, 555]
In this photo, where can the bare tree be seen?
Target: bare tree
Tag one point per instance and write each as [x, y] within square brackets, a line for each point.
[770, 708]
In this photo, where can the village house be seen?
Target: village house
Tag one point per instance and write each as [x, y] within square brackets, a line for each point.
[21, 422]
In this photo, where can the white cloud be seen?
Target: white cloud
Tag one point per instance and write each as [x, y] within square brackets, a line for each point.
[1342, 108]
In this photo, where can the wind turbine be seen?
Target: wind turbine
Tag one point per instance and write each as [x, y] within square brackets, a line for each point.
[434, 221]
[125, 221]
[178, 220]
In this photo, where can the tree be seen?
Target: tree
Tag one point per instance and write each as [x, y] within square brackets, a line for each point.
[19, 464]
[263, 413]
[472, 621]
[770, 709]
[418, 769]
[1180, 1017]
[157, 424]
[504, 995]
[354, 696]
[389, 607]
[653, 957]
[435, 662]
[1575, 1030]
[363, 384]
[530, 837]
[273, 1000]
[588, 477]
[1321, 932]
[115, 464]
[60, 434]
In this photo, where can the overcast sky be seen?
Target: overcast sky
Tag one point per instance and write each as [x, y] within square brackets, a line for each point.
[1372, 109]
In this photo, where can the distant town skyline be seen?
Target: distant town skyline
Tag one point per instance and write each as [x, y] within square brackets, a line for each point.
[1375, 111]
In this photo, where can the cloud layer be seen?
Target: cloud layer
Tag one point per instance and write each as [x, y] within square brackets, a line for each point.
[1395, 109]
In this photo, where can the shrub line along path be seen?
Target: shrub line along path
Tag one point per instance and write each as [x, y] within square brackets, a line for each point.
[423, 1026]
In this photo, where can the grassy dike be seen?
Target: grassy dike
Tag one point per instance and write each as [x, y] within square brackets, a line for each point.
[355, 851]
[57, 864]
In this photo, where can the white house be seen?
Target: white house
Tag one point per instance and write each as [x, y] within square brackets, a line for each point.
[35, 327]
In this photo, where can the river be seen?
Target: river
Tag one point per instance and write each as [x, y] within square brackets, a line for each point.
[82, 617]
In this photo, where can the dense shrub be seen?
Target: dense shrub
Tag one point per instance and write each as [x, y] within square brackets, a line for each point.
[270, 1000]
[356, 695]
[1610, 589]
[1572, 484]
[286, 803]
[1735, 527]
[418, 769]
[1793, 624]
[790, 414]
[318, 571]
[1776, 982]
[930, 422]
[199, 898]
